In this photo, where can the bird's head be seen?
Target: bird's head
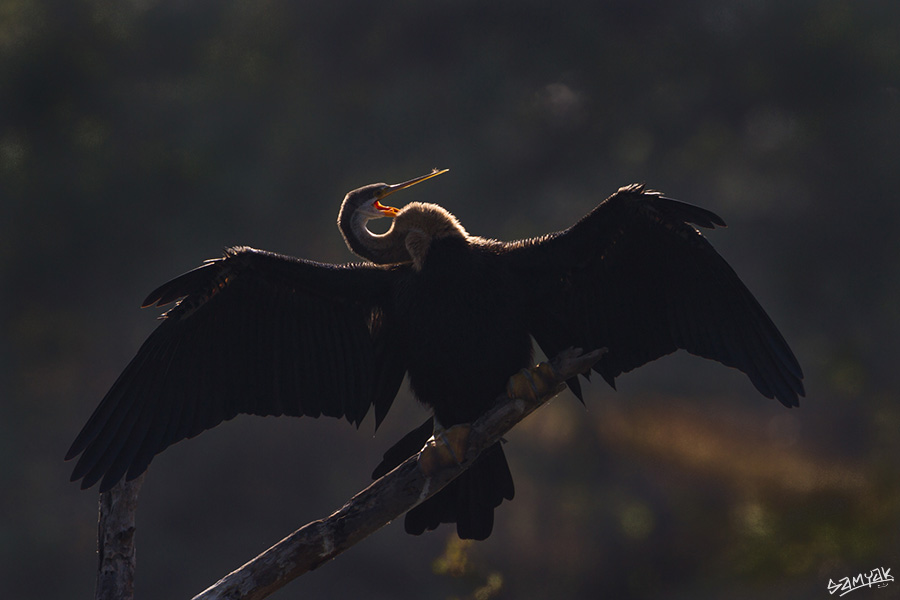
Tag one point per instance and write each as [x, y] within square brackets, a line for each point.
[366, 202]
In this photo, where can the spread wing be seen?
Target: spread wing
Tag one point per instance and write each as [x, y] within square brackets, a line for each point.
[636, 277]
[253, 332]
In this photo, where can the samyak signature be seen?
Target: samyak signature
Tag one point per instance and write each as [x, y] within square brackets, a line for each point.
[879, 577]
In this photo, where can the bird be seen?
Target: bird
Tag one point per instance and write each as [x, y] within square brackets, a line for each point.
[262, 333]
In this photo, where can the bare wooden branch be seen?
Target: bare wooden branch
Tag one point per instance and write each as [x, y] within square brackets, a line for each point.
[397, 492]
[115, 541]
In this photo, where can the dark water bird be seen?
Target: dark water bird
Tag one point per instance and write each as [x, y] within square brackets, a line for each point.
[261, 333]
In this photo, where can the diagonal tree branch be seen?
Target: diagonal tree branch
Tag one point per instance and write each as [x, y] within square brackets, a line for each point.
[397, 492]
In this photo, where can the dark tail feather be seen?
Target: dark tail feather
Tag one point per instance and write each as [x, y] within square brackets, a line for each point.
[469, 500]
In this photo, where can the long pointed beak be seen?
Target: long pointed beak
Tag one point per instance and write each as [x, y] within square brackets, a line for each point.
[382, 194]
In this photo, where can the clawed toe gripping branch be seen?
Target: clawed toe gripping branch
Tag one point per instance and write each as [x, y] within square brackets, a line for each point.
[317, 542]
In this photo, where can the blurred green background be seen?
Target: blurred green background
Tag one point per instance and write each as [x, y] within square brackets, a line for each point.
[139, 137]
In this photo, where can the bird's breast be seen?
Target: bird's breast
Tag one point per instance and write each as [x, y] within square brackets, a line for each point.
[464, 332]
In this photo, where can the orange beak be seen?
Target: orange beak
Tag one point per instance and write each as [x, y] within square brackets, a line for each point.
[390, 211]
[387, 211]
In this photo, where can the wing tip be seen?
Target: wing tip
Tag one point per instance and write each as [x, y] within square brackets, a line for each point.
[74, 450]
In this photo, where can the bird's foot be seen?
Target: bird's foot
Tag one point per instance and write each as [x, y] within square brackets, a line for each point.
[533, 384]
[447, 447]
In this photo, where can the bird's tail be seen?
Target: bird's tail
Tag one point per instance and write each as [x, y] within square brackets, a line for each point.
[469, 500]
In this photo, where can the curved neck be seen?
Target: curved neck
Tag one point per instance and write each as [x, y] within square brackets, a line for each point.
[383, 248]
